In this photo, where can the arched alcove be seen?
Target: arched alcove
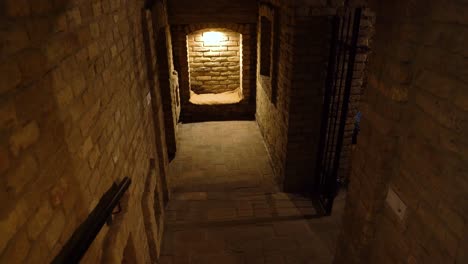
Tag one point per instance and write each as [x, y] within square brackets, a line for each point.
[215, 66]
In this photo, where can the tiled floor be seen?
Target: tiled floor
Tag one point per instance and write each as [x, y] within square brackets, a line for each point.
[223, 212]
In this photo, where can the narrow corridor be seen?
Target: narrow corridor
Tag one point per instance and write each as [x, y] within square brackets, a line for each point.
[220, 156]
[226, 209]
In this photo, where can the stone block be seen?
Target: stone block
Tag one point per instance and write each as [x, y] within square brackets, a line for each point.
[88, 118]
[203, 59]
[203, 78]
[19, 8]
[228, 53]
[211, 64]
[54, 229]
[94, 156]
[195, 43]
[17, 248]
[39, 253]
[231, 43]
[74, 17]
[26, 171]
[86, 147]
[40, 220]
[24, 137]
[200, 49]
[212, 54]
[220, 69]
[214, 49]
[200, 54]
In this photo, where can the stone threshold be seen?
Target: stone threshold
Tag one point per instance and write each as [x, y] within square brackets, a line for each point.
[231, 97]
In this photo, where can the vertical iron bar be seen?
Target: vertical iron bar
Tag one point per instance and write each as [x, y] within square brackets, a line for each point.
[344, 110]
[339, 89]
[328, 152]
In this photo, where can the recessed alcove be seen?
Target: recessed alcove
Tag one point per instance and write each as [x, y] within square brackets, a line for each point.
[215, 66]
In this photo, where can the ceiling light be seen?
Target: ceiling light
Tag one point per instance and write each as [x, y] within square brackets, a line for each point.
[213, 37]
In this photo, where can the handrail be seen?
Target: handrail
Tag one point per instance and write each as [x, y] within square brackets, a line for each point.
[84, 235]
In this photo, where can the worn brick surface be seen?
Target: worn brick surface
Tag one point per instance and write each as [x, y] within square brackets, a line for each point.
[205, 69]
[412, 140]
[273, 112]
[234, 215]
[290, 97]
[76, 116]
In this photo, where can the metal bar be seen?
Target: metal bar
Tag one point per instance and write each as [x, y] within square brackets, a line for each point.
[331, 135]
[344, 109]
[84, 235]
[338, 96]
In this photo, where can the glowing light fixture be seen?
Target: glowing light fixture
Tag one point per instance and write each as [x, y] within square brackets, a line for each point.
[213, 37]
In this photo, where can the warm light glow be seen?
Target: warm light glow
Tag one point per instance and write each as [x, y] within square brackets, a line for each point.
[213, 37]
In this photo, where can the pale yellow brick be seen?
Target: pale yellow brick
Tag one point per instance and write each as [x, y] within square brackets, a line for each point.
[94, 157]
[86, 147]
[17, 249]
[24, 137]
[39, 221]
[54, 229]
[8, 226]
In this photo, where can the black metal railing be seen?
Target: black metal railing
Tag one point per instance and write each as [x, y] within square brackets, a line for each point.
[84, 235]
[336, 101]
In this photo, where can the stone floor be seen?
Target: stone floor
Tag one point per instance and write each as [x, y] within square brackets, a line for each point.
[215, 156]
[226, 209]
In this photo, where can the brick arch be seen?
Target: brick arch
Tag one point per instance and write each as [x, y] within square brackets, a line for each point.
[244, 109]
[190, 29]
[215, 67]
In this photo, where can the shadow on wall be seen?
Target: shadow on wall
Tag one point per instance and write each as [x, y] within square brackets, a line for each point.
[38, 148]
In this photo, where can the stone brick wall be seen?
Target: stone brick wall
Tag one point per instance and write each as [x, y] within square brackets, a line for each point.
[412, 140]
[246, 107]
[272, 112]
[77, 113]
[290, 101]
[312, 42]
[214, 67]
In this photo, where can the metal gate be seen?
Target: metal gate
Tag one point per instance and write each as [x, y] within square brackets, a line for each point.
[336, 101]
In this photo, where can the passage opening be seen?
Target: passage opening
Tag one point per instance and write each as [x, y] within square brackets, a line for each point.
[215, 66]
[265, 46]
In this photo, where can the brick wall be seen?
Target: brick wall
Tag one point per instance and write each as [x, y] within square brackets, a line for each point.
[246, 107]
[272, 112]
[412, 140]
[76, 114]
[290, 100]
[214, 66]
[312, 41]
